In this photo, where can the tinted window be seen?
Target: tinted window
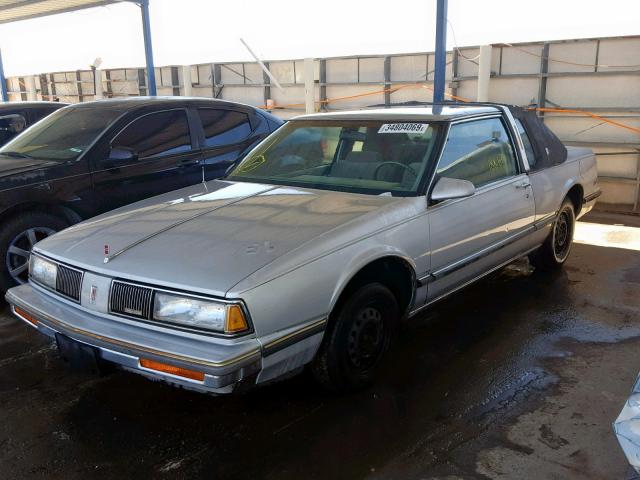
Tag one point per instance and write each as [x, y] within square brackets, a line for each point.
[162, 133]
[63, 135]
[11, 125]
[479, 152]
[531, 156]
[223, 127]
[39, 113]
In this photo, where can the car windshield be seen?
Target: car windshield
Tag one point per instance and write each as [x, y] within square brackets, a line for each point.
[371, 157]
[63, 135]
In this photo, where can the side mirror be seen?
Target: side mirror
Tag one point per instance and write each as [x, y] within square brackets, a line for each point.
[452, 188]
[121, 155]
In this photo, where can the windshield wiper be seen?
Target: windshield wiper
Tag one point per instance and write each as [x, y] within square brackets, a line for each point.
[16, 154]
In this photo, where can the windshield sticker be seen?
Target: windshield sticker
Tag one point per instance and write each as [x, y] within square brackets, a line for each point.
[403, 128]
[252, 164]
[77, 150]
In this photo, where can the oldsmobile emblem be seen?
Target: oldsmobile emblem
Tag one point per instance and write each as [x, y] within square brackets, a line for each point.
[93, 294]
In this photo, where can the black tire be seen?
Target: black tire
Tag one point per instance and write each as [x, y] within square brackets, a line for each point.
[556, 248]
[16, 232]
[357, 339]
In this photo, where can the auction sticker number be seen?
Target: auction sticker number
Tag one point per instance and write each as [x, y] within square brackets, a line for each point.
[404, 128]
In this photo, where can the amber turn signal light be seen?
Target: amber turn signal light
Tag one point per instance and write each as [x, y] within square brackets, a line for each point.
[172, 369]
[235, 320]
[26, 316]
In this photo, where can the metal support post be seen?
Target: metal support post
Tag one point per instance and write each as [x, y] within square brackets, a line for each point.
[441, 52]
[309, 86]
[484, 73]
[3, 82]
[148, 48]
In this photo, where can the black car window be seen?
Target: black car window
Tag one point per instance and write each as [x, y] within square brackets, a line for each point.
[528, 148]
[63, 135]
[478, 151]
[162, 133]
[11, 125]
[224, 127]
[36, 114]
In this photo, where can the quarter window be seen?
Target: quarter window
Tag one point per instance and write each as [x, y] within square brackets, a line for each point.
[224, 127]
[162, 133]
[478, 151]
[528, 148]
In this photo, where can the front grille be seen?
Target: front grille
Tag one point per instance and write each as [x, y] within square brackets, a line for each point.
[130, 300]
[69, 282]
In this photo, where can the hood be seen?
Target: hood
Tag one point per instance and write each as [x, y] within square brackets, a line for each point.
[15, 165]
[209, 237]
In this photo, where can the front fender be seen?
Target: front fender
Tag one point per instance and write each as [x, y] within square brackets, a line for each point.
[361, 260]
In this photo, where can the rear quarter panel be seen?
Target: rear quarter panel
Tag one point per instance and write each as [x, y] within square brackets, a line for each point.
[588, 171]
[550, 185]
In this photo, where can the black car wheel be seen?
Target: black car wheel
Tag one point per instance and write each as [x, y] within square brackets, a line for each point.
[357, 339]
[17, 238]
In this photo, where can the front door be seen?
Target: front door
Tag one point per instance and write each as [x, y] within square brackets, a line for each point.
[472, 235]
[164, 159]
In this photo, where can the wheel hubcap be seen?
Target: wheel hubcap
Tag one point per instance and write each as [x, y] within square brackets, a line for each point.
[17, 261]
[366, 338]
[562, 236]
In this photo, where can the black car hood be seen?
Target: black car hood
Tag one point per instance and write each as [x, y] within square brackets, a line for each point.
[13, 165]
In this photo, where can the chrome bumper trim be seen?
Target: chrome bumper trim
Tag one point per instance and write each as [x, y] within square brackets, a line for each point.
[55, 323]
[294, 337]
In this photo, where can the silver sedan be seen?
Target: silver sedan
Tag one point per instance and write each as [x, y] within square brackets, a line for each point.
[332, 231]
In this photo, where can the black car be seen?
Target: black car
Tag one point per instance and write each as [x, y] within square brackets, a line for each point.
[92, 157]
[16, 117]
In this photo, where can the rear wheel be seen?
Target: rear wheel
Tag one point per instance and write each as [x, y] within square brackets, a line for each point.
[355, 344]
[556, 248]
[17, 238]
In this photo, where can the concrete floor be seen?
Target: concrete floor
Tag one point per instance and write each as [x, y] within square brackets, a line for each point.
[519, 376]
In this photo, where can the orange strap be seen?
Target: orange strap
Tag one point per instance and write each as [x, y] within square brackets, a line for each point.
[366, 94]
[588, 114]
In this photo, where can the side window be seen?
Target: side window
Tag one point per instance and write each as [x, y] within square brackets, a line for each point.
[38, 114]
[223, 127]
[478, 151]
[11, 125]
[531, 156]
[162, 133]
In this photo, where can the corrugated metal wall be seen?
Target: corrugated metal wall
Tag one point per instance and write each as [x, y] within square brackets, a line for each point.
[601, 76]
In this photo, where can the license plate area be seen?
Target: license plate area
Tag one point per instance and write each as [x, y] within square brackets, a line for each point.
[80, 357]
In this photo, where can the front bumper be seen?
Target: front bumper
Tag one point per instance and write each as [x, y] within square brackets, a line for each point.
[226, 363]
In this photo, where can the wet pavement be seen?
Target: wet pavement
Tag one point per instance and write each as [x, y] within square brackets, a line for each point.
[518, 376]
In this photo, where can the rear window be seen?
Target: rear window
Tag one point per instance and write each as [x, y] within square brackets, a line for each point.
[528, 148]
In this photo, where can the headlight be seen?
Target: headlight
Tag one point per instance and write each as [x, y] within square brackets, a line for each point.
[199, 313]
[43, 271]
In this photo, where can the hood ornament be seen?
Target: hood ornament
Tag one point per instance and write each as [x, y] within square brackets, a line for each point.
[106, 253]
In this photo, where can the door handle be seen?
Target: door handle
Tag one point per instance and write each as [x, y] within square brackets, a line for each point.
[189, 161]
[524, 184]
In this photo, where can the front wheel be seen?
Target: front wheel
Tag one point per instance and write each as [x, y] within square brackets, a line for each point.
[556, 248]
[357, 340]
[17, 238]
